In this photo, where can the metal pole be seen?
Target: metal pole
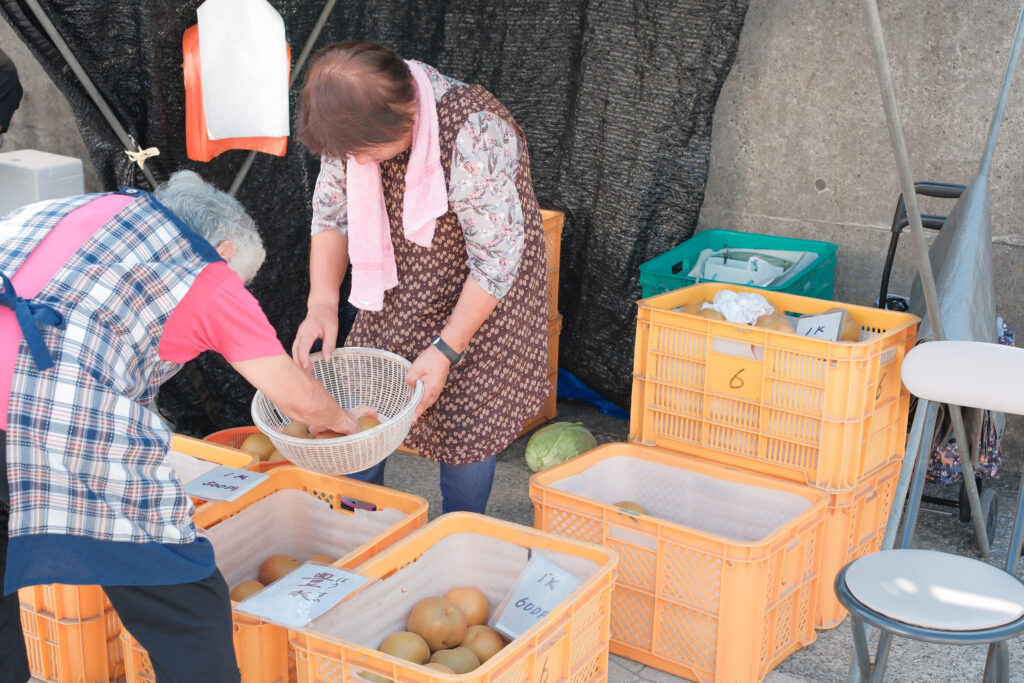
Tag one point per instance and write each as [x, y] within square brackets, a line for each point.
[924, 266]
[87, 83]
[1004, 94]
[914, 471]
[243, 170]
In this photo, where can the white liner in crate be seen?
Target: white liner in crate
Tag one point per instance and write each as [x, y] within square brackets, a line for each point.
[729, 510]
[464, 559]
[291, 522]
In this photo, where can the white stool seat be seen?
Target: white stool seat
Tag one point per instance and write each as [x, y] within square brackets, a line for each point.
[936, 590]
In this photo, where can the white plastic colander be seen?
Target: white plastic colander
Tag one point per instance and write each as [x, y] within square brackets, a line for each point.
[354, 376]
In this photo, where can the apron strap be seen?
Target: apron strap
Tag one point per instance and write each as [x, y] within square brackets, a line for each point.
[29, 315]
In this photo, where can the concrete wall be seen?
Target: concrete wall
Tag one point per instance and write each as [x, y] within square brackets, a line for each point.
[44, 120]
[800, 145]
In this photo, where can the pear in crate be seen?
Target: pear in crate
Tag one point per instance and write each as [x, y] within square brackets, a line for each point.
[245, 589]
[258, 445]
[460, 659]
[439, 622]
[484, 641]
[472, 603]
[276, 566]
[406, 645]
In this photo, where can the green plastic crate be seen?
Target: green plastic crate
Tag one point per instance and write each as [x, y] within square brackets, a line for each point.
[668, 271]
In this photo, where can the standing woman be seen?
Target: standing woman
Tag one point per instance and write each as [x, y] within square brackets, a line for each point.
[425, 189]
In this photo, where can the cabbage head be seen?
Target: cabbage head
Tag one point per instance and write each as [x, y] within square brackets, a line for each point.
[556, 443]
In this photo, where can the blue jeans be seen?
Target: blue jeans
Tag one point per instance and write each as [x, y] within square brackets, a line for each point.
[463, 487]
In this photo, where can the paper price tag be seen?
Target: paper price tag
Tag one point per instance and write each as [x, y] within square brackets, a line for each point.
[540, 588]
[820, 326]
[303, 595]
[224, 483]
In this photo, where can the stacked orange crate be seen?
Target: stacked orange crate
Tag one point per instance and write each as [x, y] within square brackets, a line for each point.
[832, 415]
[261, 648]
[553, 221]
[72, 632]
[829, 417]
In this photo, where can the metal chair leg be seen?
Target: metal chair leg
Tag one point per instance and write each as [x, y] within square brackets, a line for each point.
[862, 657]
[881, 657]
[997, 663]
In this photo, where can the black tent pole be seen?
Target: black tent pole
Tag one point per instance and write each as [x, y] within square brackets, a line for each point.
[131, 148]
[299, 63]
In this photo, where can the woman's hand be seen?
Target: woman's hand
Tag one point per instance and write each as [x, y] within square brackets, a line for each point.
[321, 323]
[347, 422]
[432, 367]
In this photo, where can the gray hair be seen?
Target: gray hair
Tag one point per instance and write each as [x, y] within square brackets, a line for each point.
[216, 216]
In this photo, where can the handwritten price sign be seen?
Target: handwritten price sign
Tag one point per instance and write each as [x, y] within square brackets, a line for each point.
[540, 588]
[224, 483]
[820, 326]
[303, 595]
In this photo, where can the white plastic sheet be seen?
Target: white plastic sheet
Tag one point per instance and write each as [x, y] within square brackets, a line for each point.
[741, 307]
[243, 57]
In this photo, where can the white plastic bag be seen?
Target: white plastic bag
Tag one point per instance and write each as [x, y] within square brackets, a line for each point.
[244, 64]
[740, 307]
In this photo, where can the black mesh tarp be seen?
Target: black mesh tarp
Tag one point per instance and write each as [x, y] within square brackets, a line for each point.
[616, 99]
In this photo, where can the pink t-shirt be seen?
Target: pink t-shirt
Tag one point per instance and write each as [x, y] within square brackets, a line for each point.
[218, 314]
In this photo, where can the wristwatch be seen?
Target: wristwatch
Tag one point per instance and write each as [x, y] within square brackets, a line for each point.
[451, 354]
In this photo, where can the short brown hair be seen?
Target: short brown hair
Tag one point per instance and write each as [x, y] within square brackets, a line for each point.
[357, 94]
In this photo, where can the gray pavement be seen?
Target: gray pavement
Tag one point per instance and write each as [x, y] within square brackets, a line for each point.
[828, 658]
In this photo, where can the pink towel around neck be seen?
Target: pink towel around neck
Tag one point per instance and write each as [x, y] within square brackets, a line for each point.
[426, 198]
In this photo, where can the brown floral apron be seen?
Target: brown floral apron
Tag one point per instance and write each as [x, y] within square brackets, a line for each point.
[502, 379]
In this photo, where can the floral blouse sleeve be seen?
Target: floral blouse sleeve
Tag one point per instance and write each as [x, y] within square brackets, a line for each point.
[330, 203]
[482, 193]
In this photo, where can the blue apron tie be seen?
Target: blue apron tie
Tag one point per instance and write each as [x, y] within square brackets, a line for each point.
[28, 316]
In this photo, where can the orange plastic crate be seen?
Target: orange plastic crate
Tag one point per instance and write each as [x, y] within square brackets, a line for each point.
[234, 437]
[62, 602]
[262, 649]
[82, 618]
[855, 522]
[725, 596]
[461, 548]
[211, 452]
[820, 412]
[552, 293]
[62, 650]
[552, 221]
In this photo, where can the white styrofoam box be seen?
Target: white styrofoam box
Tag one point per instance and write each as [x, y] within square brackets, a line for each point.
[29, 175]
